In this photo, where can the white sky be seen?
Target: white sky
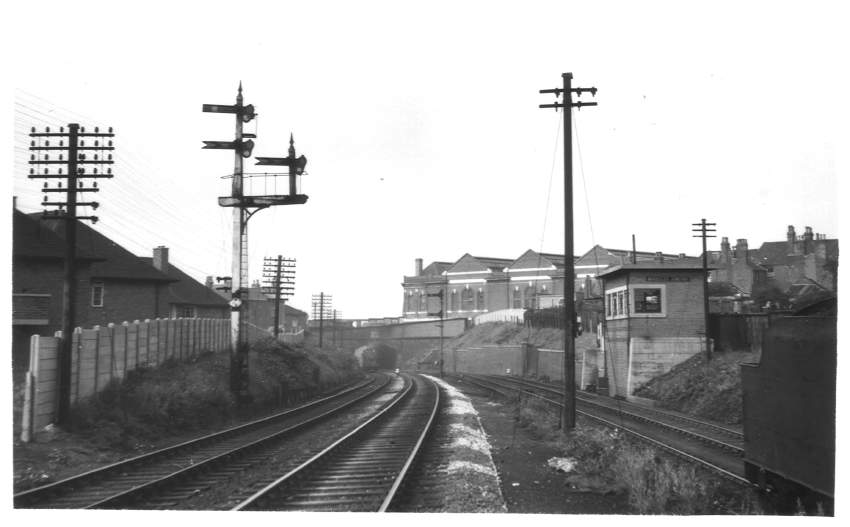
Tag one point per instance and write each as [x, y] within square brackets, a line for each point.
[422, 131]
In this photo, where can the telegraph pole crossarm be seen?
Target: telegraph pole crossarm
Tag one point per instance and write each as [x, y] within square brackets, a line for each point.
[704, 229]
[568, 417]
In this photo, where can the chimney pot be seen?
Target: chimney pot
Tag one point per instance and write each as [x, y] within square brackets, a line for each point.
[659, 257]
[417, 270]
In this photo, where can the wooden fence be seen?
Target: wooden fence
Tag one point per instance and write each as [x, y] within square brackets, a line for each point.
[103, 354]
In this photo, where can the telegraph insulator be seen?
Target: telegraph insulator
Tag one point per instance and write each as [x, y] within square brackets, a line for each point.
[95, 171]
[45, 196]
[46, 157]
[47, 129]
[82, 143]
[80, 184]
[97, 143]
[109, 171]
[32, 143]
[61, 143]
[45, 186]
[59, 185]
[95, 129]
[47, 143]
[60, 157]
[32, 129]
[110, 129]
[95, 157]
[60, 171]
[95, 184]
[45, 171]
[32, 171]
[110, 142]
[82, 171]
[109, 157]
[62, 129]
[83, 129]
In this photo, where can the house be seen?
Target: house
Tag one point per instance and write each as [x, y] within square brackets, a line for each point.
[812, 256]
[185, 296]
[736, 265]
[259, 314]
[38, 262]
[654, 319]
[121, 286]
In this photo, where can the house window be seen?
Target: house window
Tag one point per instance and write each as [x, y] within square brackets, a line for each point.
[453, 300]
[480, 299]
[423, 302]
[97, 294]
[467, 300]
[185, 311]
[517, 302]
[528, 297]
[647, 300]
[410, 302]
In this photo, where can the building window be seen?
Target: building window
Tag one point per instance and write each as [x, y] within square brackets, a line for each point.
[467, 300]
[97, 294]
[453, 300]
[615, 303]
[410, 302]
[423, 302]
[479, 301]
[517, 302]
[186, 312]
[647, 300]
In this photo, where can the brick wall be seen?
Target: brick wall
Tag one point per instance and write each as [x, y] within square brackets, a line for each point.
[125, 300]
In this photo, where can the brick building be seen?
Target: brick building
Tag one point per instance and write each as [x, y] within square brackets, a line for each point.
[654, 319]
[113, 285]
[474, 285]
[782, 265]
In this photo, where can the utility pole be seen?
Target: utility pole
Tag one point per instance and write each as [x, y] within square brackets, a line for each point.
[321, 303]
[279, 275]
[568, 417]
[242, 204]
[441, 314]
[704, 229]
[74, 182]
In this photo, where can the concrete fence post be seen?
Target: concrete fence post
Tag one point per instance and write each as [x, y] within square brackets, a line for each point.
[113, 364]
[77, 349]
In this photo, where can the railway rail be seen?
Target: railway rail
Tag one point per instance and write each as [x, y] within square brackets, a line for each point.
[720, 457]
[363, 471]
[140, 481]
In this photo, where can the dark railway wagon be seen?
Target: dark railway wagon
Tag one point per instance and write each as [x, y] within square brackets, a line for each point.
[789, 411]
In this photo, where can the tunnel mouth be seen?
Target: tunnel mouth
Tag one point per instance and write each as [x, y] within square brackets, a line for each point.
[386, 357]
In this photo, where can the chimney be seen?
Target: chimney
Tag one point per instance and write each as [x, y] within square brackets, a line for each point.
[160, 258]
[742, 249]
[681, 256]
[807, 241]
[792, 239]
[659, 257]
[417, 269]
[725, 253]
[209, 282]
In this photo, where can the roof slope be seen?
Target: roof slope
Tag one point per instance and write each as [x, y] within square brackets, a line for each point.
[31, 239]
[187, 290]
[118, 261]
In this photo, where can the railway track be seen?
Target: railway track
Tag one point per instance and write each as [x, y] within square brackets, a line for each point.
[363, 471]
[720, 457]
[154, 480]
[711, 434]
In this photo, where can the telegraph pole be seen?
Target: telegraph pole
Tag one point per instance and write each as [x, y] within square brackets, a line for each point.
[279, 275]
[242, 204]
[76, 166]
[568, 417]
[704, 229]
[321, 303]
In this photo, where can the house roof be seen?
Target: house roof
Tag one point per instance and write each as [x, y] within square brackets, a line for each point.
[436, 268]
[118, 262]
[32, 239]
[187, 290]
[676, 265]
[255, 294]
[499, 263]
[723, 289]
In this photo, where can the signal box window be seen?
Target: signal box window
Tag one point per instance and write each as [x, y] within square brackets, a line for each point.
[647, 300]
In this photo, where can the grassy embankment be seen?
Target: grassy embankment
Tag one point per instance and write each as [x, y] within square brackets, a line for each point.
[156, 406]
